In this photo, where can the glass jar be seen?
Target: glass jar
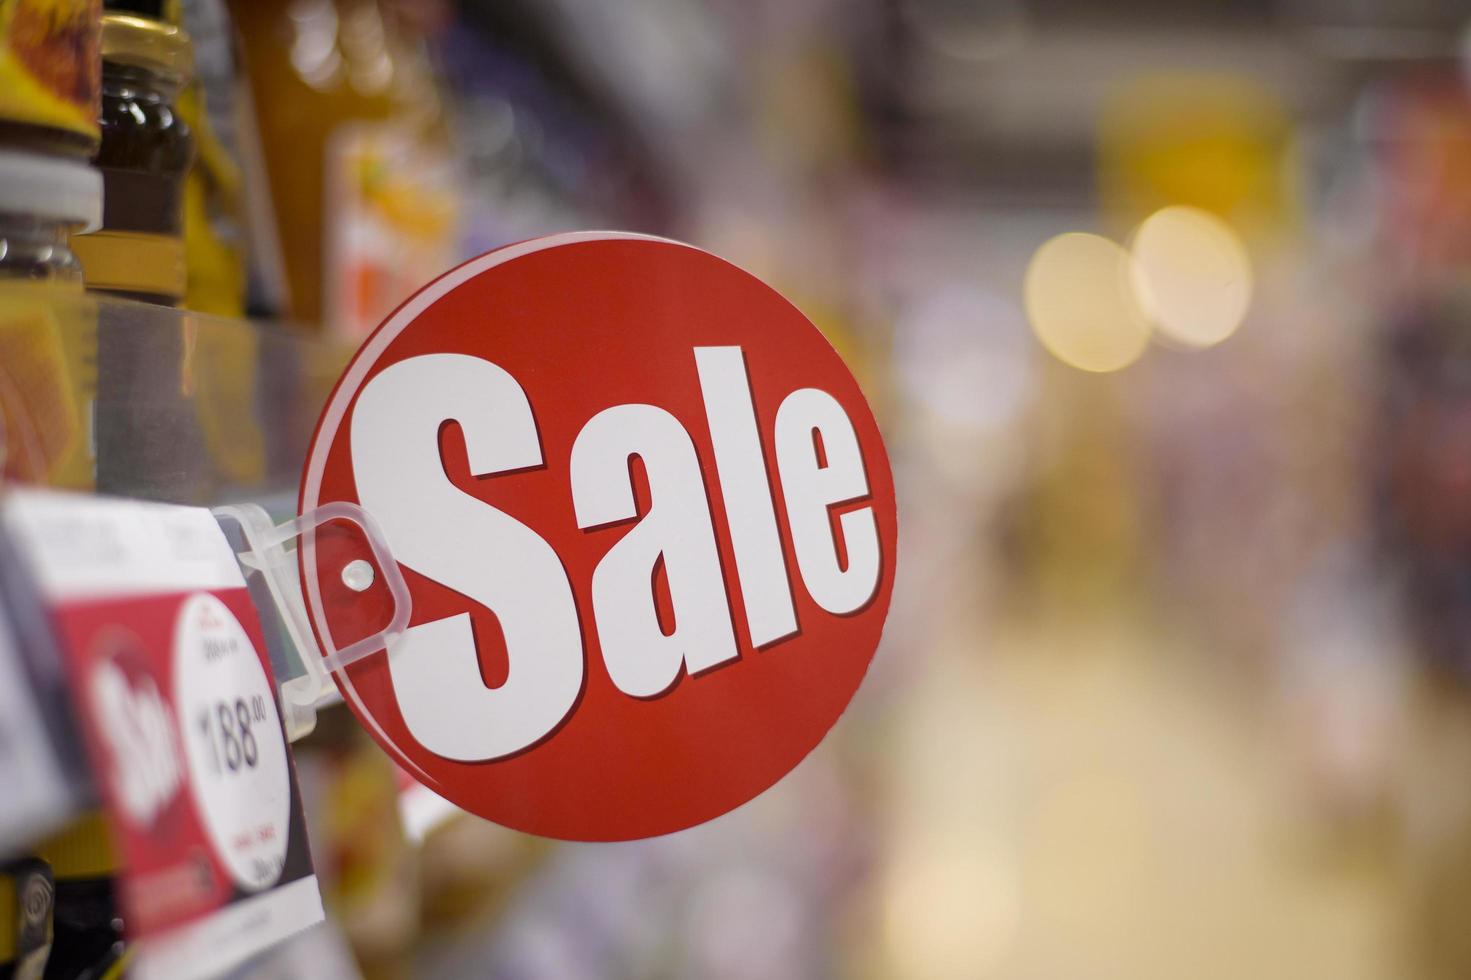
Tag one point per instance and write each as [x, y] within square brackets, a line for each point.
[37, 250]
[144, 157]
[43, 201]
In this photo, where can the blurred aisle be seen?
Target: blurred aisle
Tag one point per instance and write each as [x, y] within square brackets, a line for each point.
[1088, 798]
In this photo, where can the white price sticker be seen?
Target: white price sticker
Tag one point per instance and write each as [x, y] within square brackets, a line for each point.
[235, 746]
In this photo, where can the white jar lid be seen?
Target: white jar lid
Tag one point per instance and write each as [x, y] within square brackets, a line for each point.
[50, 189]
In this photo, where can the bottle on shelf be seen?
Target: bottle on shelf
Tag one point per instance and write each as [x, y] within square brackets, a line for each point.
[144, 156]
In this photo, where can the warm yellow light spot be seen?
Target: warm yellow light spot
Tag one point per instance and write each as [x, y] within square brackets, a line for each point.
[1081, 303]
[952, 912]
[1192, 274]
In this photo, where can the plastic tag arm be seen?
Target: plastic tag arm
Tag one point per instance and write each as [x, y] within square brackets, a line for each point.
[266, 553]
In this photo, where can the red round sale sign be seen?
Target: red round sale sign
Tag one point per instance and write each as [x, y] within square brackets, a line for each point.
[646, 520]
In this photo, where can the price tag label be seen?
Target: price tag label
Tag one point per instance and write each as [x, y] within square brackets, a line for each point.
[234, 744]
[174, 696]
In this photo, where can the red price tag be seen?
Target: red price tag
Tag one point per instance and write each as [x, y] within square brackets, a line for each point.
[173, 693]
[647, 521]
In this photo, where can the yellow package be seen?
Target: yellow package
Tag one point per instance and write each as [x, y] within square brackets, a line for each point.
[50, 68]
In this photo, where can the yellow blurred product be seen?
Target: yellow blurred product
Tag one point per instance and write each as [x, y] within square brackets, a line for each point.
[807, 105]
[214, 259]
[48, 381]
[214, 264]
[352, 136]
[49, 73]
[82, 850]
[1216, 142]
[214, 195]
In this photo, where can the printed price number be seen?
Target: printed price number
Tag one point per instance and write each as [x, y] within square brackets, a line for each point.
[228, 728]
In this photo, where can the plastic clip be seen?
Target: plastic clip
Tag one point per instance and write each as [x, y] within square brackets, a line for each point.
[266, 553]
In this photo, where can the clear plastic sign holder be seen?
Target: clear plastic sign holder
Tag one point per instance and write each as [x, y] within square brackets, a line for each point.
[269, 551]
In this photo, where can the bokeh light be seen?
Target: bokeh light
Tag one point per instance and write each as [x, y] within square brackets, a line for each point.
[1192, 275]
[952, 910]
[1081, 303]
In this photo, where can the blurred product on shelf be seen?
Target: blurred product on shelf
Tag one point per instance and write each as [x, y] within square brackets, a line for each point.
[146, 150]
[49, 85]
[43, 202]
[357, 154]
[1209, 140]
[214, 195]
[471, 870]
[49, 90]
[49, 75]
[1420, 136]
[139, 252]
[58, 914]
[88, 925]
[214, 250]
[367, 868]
[536, 154]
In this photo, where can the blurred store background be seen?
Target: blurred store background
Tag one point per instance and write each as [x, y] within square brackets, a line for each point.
[1165, 309]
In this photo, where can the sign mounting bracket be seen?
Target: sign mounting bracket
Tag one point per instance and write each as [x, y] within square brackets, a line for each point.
[269, 551]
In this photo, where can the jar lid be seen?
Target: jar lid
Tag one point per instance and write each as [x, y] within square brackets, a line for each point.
[147, 42]
[50, 188]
